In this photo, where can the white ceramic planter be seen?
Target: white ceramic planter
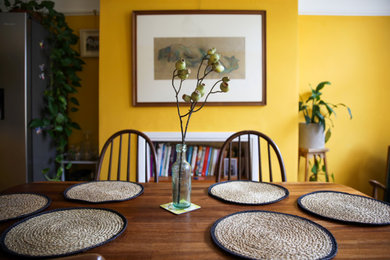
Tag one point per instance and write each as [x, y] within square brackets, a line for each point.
[311, 136]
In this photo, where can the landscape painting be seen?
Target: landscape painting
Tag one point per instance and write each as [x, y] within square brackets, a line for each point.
[168, 50]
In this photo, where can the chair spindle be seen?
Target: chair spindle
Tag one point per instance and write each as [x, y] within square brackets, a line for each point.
[260, 168]
[239, 158]
[128, 157]
[110, 162]
[118, 176]
[269, 162]
[230, 161]
[249, 158]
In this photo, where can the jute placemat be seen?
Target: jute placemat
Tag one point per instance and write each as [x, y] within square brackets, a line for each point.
[248, 192]
[18, 205]
[104, 191]
[345, 207]
[63, 232]
[272, 235]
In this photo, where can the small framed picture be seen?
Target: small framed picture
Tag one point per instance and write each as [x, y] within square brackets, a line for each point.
[89, 43]
[233, 166]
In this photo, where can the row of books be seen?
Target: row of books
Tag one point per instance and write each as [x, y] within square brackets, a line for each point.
[202, 158]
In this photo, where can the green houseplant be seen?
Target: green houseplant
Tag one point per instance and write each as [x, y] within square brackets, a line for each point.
[65, 62]
[318, 114]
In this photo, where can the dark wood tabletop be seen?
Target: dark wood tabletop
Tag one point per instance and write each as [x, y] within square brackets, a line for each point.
[154, 233]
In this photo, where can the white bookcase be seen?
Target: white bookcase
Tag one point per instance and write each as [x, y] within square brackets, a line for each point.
[192, 137]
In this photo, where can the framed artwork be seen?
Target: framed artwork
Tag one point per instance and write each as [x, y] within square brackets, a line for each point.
[160, 38]
[89, 43]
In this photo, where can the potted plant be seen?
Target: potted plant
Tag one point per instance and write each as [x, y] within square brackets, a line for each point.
[65, 62]
[316, 130]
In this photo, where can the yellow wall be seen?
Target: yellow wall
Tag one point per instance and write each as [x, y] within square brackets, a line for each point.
[87, 95]
[278, 119]
[353, 53]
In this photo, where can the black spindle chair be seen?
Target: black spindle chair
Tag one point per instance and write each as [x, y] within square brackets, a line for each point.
[242, 144]
[120, 145]
[379, 186]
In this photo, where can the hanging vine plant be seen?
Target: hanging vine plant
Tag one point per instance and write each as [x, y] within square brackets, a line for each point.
[65, 62]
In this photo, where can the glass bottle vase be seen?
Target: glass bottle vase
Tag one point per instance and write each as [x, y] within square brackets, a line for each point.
[181, 179]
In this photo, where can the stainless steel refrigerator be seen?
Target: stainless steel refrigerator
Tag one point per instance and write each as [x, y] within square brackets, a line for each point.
[23, 78]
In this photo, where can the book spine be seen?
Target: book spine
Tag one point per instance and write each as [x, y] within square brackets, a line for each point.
[198, 158]
[167, 159]
[193, 160]
[206, 160]
[158, 159]
[201, 161]
[210, 162]
[172, 160]
[189, 154]
[215, 159]
[162, 160]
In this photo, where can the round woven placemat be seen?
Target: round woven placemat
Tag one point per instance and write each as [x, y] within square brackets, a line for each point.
[272, 235]
[103, 191]
[18, 205]
[346, 208]
[248, 192]
[63, 232]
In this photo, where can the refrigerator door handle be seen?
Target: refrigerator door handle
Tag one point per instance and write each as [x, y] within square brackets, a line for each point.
[1, 104]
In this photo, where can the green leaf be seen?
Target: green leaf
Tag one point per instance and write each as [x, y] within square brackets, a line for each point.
[48, 4]
[308, 119]
[45, 171]
[58, 128]
[66, 62]
[75, 125]
[59, 158]
[74, 101]
[60, 170]
[62, 143]
[36, 123]
[62, 99]
[328, 135]
[74, 109]
[60, 118]
[350, 112]
[314, 169]
[68, 131]
[68, 166]
[328, 107]
[301, 106]
[322, 85]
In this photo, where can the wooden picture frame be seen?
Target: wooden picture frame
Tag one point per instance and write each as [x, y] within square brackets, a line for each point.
[89, 43]
[159, 36]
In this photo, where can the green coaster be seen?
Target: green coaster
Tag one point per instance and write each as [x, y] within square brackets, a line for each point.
[169, 206]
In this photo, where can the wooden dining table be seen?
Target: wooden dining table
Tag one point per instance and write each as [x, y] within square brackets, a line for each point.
[154, 233]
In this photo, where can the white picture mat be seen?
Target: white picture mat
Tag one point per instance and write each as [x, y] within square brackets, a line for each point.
[249, 89]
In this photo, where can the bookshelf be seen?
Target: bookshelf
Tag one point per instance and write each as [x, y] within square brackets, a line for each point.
[214, 139]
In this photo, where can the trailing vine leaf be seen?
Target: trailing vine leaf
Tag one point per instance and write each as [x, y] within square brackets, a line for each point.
[65, 62]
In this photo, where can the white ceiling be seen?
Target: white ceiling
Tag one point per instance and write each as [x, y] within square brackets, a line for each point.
[305, 7]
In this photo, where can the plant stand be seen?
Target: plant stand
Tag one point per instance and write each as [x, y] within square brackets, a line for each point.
[309, 153]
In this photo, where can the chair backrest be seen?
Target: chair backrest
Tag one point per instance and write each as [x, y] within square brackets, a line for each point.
[387, 191]
[121, 145]
[244, 143]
